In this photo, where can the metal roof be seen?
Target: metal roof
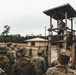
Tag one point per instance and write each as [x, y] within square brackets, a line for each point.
[59, 12]
[36, 39]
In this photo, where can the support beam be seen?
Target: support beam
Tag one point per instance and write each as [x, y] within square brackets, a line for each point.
[45, 41]
[49, 49]
[65, 31]
[73, 53]
[58, 48]
[72, 23]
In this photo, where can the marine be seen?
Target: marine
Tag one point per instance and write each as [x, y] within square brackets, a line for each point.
[62, 68]
[40, 63]
[24, 65]
[4, 60]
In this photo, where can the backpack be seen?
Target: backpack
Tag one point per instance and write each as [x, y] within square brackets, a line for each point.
[25, 66]
[11, 57]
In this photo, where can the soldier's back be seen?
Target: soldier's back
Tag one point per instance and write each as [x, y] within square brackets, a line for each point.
[60, 71]
[40, 64]
[4, 63]
[25, 66]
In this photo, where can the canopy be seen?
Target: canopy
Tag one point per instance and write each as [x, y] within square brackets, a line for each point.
[59, 12]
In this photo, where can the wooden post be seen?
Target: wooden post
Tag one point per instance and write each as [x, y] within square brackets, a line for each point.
[72, 27]
[73, 45]
[49, 47]
[73, 53]
[45, 40]
[72, 23]
[58, 48]
[65, 31]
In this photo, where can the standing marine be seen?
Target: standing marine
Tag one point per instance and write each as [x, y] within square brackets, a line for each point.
[24, 65]
[62, 65]
[40, 63]
[4, 61]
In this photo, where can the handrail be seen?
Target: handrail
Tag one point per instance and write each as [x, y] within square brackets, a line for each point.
[53, 29]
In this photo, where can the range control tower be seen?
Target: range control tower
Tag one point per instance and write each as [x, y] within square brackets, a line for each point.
[67, 38]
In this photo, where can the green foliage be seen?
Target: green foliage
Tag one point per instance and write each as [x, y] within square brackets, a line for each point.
[17, 38]
[6, 31]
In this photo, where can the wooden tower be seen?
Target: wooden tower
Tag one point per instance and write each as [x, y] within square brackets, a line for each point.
[65, 12]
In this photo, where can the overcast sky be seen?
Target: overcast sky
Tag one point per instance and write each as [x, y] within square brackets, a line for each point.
[26, 17]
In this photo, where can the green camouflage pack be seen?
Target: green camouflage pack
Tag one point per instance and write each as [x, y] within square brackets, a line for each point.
[25, 67]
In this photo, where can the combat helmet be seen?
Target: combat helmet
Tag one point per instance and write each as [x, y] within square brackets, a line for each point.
[3, 50]
[9, 43]
[22, 52]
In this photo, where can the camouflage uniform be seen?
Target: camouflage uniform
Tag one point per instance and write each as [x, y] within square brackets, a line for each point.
[62, 68]
[11, 53]
[11, 57]
[54, 63]
[4, 62]
[60, 71]
[30, 52]
[46, 59]
[40, 64]
[24, 66]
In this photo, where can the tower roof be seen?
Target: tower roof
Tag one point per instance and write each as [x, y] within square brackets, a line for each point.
[59, 12]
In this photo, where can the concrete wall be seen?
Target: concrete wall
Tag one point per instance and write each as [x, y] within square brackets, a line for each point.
[37, 43]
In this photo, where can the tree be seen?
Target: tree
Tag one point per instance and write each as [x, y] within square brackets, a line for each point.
[6, 31]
